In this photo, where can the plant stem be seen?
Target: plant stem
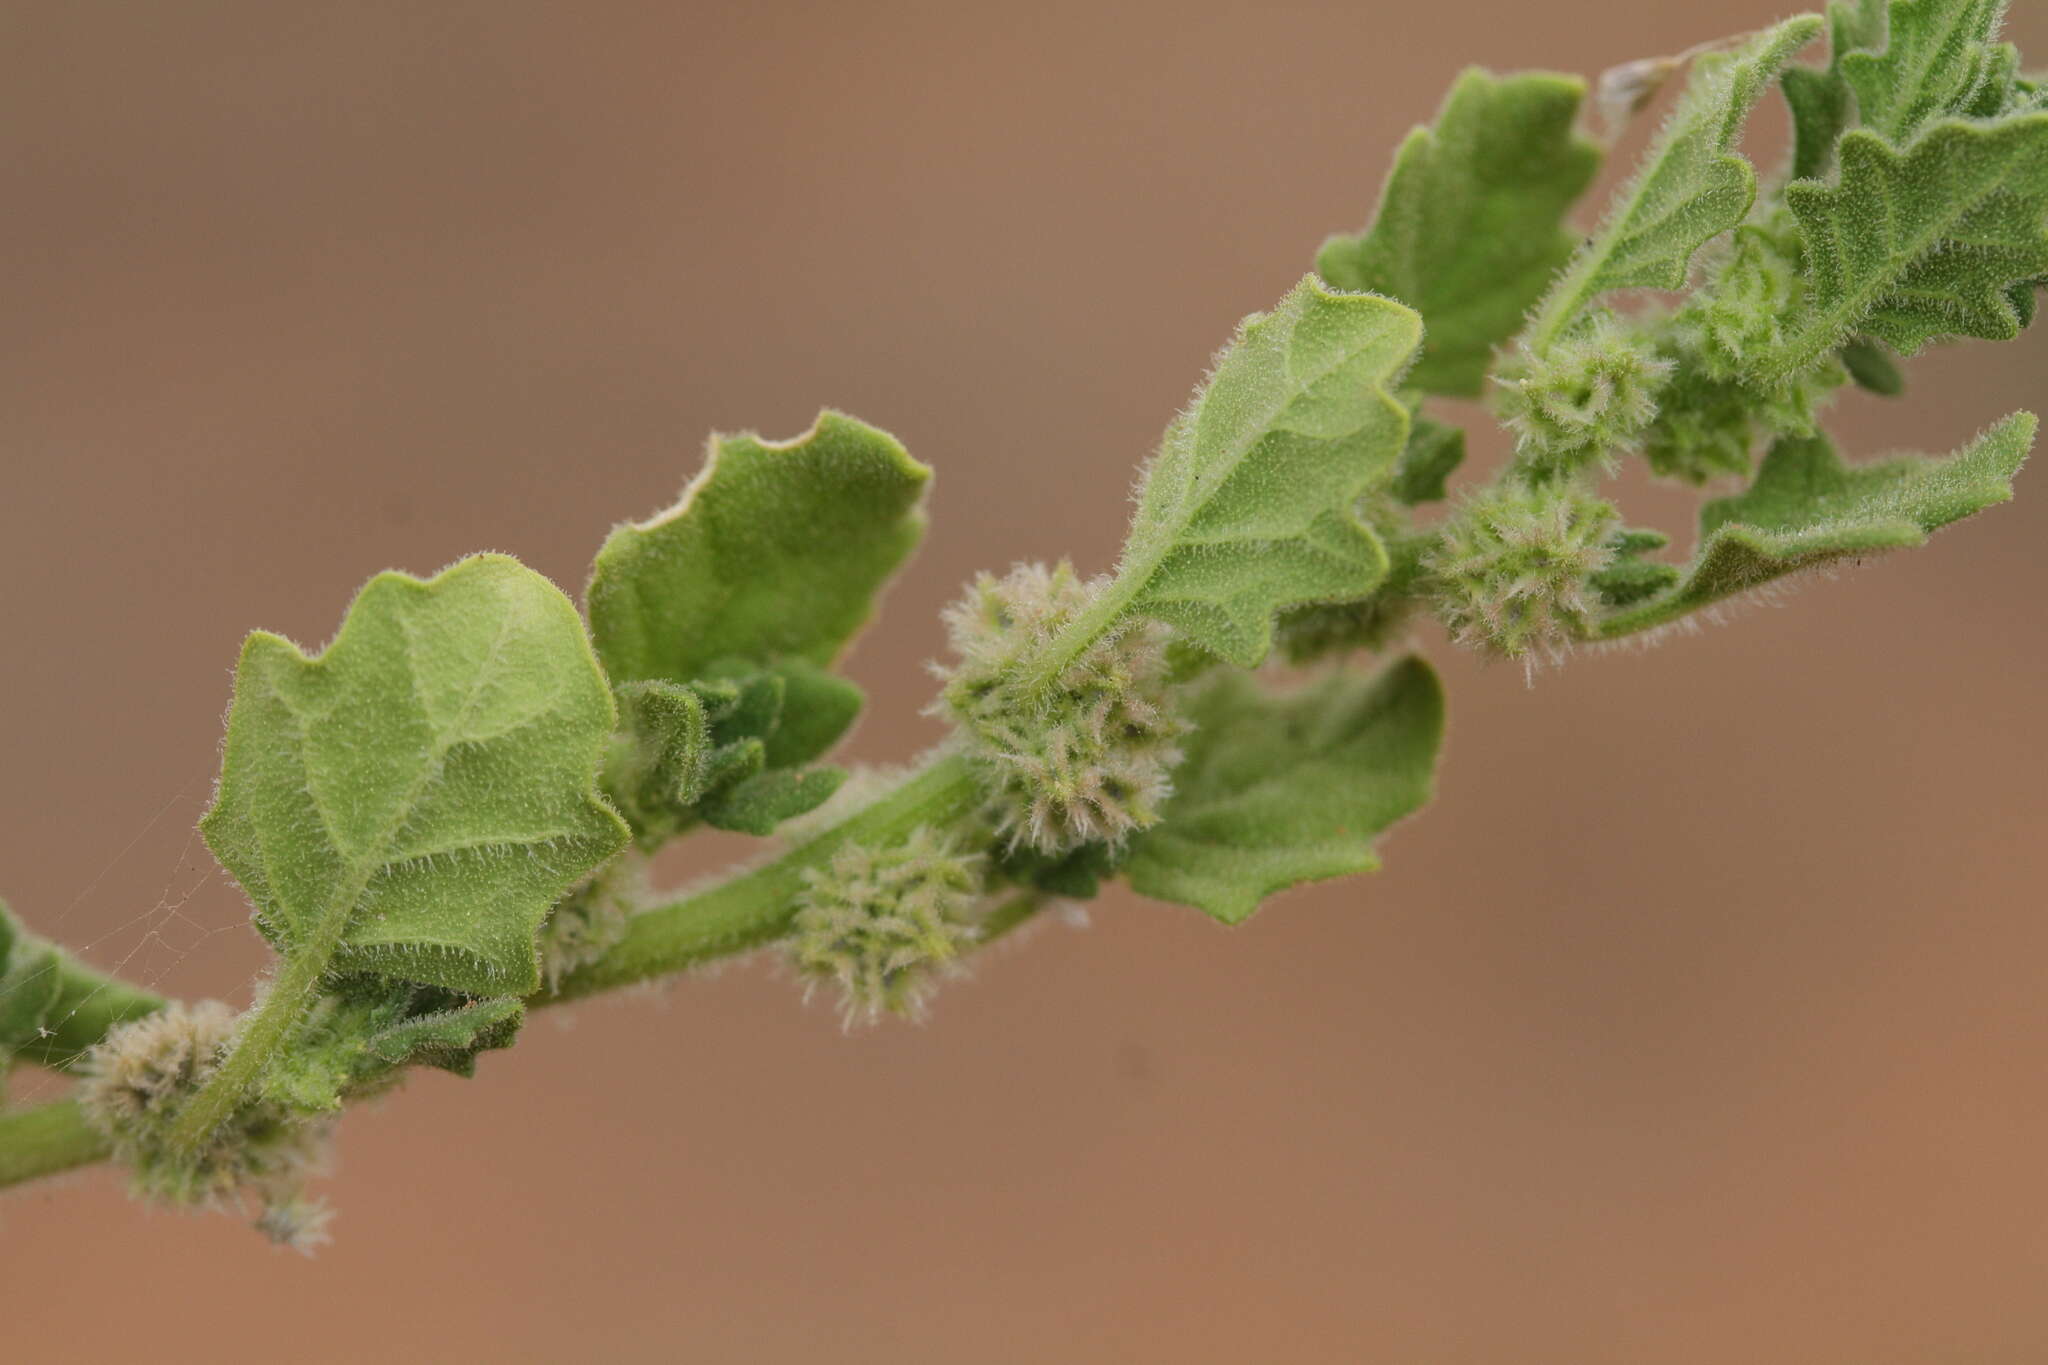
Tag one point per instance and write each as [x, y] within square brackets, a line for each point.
[89, 1005]
[256, 1041]
[45, 1140]
[745, 912]
[756, 907]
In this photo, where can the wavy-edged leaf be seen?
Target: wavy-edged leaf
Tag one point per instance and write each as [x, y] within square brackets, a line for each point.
[1250, 505]
[1280, 790]
[1936, 59]
[449, 1039]
[1808, 509]
[776, 550]
[412, 800]
[1692, 188]
[1470, 226]
[1823, 106]
[1933, 241]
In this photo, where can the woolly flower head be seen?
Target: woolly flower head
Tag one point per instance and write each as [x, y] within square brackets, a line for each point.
[141, 1075]
[1086, 758]
[1513, 567]
[882, 924]
[1579, 400]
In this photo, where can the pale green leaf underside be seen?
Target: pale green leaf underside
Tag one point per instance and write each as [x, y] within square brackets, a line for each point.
[776, 550]
[1280, 790]
[1470, 226]
[1692, 188]
[1808, 509]
[1249, 506]
[413, 800]
[1909, 246]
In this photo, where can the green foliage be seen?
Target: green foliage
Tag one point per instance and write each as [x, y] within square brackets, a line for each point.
[430, 815]
[1912, 245]
[726, 751]
[1433, 453]
[1807, 509]
[1277, 790]
[411, 801]
[1470, 226]
[776, 551]
[1692, 186]
[1939, 59]
[1248, 508]
[1822, 104]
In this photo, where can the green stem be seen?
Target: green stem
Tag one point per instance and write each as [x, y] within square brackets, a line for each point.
[89, 1005]
[257, 1040]
[45, 1140]
[756, 907]
[745, 912]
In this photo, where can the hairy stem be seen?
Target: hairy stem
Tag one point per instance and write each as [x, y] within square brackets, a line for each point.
[756, 907]
[737, 915]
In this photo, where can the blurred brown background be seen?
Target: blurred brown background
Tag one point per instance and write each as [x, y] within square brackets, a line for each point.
[1700, 1020]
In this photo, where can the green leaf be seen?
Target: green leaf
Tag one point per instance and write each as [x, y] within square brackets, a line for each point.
[1628, 578]
[1250, 505]
[1823, 106]
[1925, 243]
[776, 550]
[1808, 509]
[1433, 451]
[1280, 790]
[1872, 367]
[1937, 59]
[450, 1039]
[1692, 188]
[411, 801]
[818, 708]
[30, 986]
[1470, 227]
[759, 803]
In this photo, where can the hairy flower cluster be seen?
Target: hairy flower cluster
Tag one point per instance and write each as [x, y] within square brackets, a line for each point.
[1580, 400]
[1512, 571]
[138, 1079]
[881, 924]
[1085, 758]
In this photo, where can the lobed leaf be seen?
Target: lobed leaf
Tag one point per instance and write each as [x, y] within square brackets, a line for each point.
[1692, 188]
[1808, 509]
[1941, 239]
[1936, 59]
[411, 801]
[777, 550]
[1470, 227]
[1823, 106]
[1280, 790]
[1250, 505]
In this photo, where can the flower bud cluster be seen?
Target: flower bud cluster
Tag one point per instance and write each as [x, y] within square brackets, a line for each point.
[882, 924]
[1580, 400]
[1084, 758]
[139, 1078]
[1512, 573]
